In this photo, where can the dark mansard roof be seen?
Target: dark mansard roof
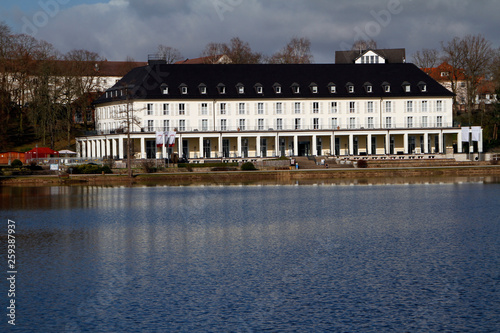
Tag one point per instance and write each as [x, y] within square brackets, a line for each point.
[299, 81]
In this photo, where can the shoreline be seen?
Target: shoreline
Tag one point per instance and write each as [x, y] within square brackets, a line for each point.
[243, 177]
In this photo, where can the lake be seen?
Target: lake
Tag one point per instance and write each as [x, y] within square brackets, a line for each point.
[414, 257]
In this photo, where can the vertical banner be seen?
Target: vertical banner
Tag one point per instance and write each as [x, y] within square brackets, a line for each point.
[476, 133]
[159, 139]
[465, 134]
[171, 138]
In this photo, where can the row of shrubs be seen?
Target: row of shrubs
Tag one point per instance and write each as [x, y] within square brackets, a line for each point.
[88, 169]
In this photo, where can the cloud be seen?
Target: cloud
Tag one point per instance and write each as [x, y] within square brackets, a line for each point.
[120, 28]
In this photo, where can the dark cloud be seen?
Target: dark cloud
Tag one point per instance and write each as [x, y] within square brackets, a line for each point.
[120, 28]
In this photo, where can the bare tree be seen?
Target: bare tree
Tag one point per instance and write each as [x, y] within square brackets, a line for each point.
[168, 53]
[426, 59]
[471, 54]
[213, 52]
[238, 51]
[297, 51]
[362, 45]
[81, 80]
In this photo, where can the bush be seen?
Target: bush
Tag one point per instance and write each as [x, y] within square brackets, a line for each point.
[362, 164]
[248, 166]
[88, 169]
[149, 166]
[16, 163]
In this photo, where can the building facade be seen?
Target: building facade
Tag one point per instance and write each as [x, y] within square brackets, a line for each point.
[258, 111]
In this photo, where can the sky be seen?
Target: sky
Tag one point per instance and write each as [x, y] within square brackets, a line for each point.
[117, 29]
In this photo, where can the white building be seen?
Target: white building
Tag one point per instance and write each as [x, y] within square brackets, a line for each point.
[258, 111]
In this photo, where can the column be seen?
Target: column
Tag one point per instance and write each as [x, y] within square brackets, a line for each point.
[405, 143]
[200, 142]
[480, 142]
[295, 145]
[314, 146]
[93, 154]
[257, 146]
[459, 142]
[238, 140]
[441, 142]
[143, 148]
[120, 148]
[179, 147]
[108, 148]
[351, 144]
[277, 145]
[113, 145]
[426, 143]
[332, 144]
[387, 143]
[84, 148]
[369, 145]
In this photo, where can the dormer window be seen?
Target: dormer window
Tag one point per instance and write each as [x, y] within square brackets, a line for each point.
[406, 86]
[387, 87]
[314, 88]
[422, 86]
[259, 89]
[203, 89]
[368, 87]
[164, 89]
[332, 88]
[444, 74]
[277, 88]
[350, 87]
[295, 88]
[240, 88]
[184, 89]
[221, 88]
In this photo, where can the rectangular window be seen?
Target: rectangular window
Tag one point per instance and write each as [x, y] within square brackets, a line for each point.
[316, 123]
[409, 122]
[166, 109]
[204, 124]
[241, 90]
[297, 123]
[370, 122]
[352, 107]
[439, 106]
[369, 107]
[351, 89]
[260, 124]
[315, 107]
[182, 109]
[388, 106]
[166, 125]
[333, 107]
[184, 90]
[388, 122]
[279, 124]
[439, 121]
[182, 125]
[279, 108]
[334, 123]
[352, 123]
[151, 125]
[242, 125]
[424, 106]
[424, 121]
[241, 108]
[260, 108]
[203, 90]
[297, 107]
[409, 106]
[223, 109]
[223, 124]
[204, 108]
[150, 109]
